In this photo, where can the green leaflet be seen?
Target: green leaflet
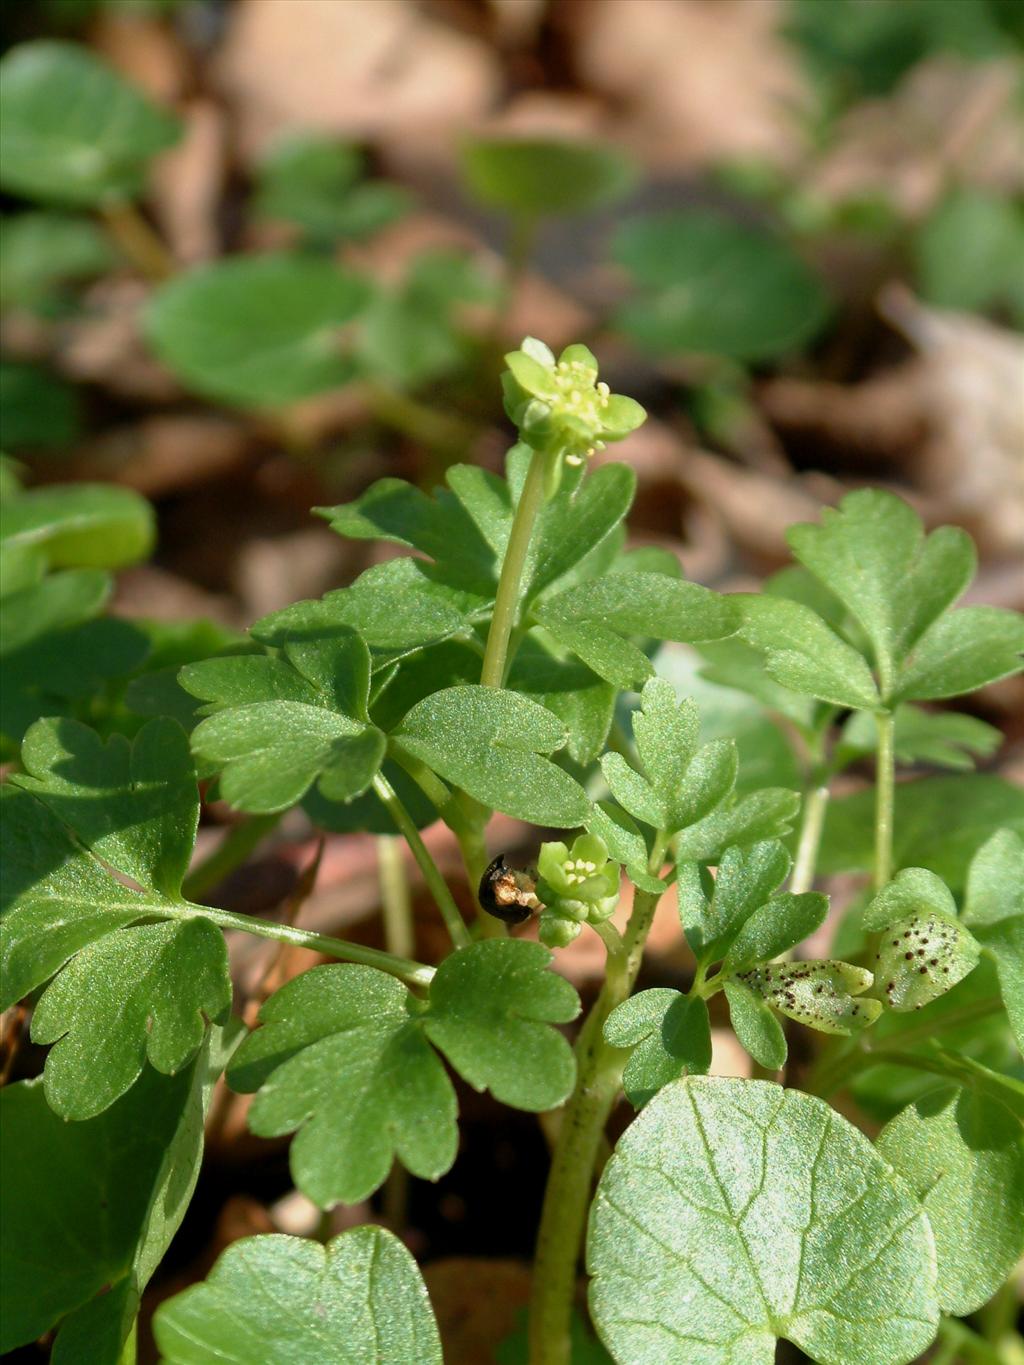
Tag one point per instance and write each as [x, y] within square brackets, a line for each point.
[118, 1184]
[537, 177]
[42, 252]
[696, 1255]
[281, 724]
[994, 908]
[344, 1055]
[495, 745]
[257, 331]
[72, 130]
[825, 995]
[964, 650]
[805, 654]
[670, 1035]
[135, 808]
[683, 788]
[942, 739]
[755, 1026]
[595, 618]
[88, 525]
[359, 1300]
[711, 284]
[962, 1153]
[712, 916]
[940, 823]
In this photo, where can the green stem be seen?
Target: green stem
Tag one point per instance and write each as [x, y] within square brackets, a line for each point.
[885, 781]
[139, 242]
[436, 884]
[506, 603]
[567, 1196]
[811, 826]
[396, 904]
[231, 852]
[129, 1351]
[414, 973]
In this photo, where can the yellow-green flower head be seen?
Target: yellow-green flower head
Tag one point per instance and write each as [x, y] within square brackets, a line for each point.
[562, 405]
[577, 884]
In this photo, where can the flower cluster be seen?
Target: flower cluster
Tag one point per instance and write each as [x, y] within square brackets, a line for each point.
[576, 886]
[561, 406]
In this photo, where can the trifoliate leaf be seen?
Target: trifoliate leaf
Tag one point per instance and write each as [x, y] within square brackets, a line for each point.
[341, 1056]
[922, 957]
[805, 654]
[535, 177]
[490, 1010]
[697, 1256]
[594, 619]
[775, 927]
[281, 724]
[127, 990]
[994, 908]
[97, 1203]
[964, 650]
[257, 331]
[73, 131]
[962, 1153]
[757, 1029]
[495, 745]
[670, 1035]
[714, 285]
[824, 995]
[871, 552]
[356, 1301]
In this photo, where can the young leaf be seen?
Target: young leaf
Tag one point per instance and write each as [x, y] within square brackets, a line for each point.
[490, 1010]
[124, 991]
[73, 131]
[822, 995]
[257, 331]
[282, 724]
[358, 1300]
[745, 881]
[871, 552]
[594, 618]
[963, 651]
[697, 1256]
[775, 927]
[711, 284]
[805, 654]
[994, 908]
[576, 523]
[494, 744]
[962, 1152]
[670, 1035]
[340, 1056]
[756, 1028]
[117, 1184]
[923, 956]
[536, 177]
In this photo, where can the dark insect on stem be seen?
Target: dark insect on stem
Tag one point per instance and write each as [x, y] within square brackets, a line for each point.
[507, 894]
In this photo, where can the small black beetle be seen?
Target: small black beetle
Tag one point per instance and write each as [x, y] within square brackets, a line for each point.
[507, 894]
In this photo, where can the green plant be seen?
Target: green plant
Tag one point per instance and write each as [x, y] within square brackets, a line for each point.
[480, 671]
